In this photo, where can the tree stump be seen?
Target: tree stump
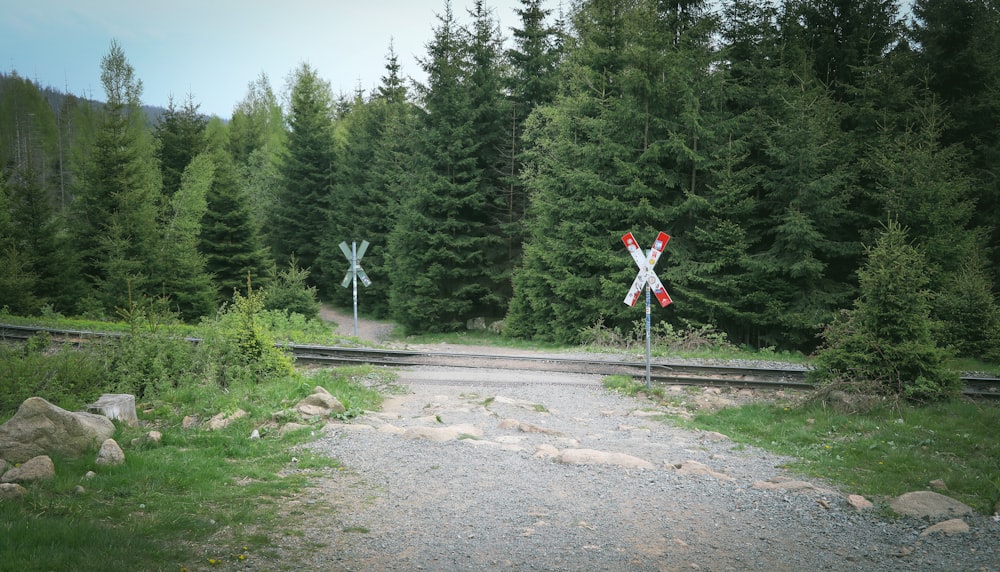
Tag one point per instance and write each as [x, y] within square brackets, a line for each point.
[116, 406]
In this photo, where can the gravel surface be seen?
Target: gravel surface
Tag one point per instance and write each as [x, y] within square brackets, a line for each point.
[503, 494]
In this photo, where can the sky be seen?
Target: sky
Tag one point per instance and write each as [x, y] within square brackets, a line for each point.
[212, 49]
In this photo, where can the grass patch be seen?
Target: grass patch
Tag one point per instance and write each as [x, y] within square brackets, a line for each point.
[627, 385]
[884, 452]
[195, 497]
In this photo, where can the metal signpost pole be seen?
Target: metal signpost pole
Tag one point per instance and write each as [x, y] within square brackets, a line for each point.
[649, 314]
[354, 273]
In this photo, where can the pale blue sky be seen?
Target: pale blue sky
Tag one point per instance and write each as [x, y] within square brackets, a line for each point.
[214, 48]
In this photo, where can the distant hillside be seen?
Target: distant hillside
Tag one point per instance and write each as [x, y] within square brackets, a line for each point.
[56, 98]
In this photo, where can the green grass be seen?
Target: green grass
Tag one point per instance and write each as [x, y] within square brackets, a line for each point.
[882, 453]
[194, 497]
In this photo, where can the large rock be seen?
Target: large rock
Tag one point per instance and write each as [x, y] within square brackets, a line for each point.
[40, 428]
[321, 402]
[947, 528]
[35, 469]
[110, 454]
[10, 491]
[592, 457]
[928, 504]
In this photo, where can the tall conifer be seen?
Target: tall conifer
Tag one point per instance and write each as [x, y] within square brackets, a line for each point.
[299, 215]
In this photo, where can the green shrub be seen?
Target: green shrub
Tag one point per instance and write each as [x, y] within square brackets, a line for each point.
[291, 293]
[65, 377]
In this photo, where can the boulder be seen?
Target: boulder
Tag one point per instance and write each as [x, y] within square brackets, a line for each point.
[110, 453]
[11, 491]
[40, 428]
[592, 457]
[947, 528]
[222, 420]
[927, 504]
[321, 403]
[35, 469]
[690, 467]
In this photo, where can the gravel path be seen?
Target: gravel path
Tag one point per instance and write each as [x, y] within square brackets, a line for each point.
[484, 476]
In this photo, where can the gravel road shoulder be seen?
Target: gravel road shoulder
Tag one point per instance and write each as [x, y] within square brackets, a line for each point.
[484, 472]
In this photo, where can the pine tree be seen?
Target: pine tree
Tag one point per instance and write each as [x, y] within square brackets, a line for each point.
[445, 230]
[884, 344]
[307, 168]
[188, 285]
[619, 151]
[229, 238]
[114, 219]
[180, 137]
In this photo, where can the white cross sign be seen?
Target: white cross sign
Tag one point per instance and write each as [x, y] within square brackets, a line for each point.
[354, 254]
[646, 275]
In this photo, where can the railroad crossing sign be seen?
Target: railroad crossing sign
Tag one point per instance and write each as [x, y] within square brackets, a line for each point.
[354, 254]
[648, 280]
[646, 275]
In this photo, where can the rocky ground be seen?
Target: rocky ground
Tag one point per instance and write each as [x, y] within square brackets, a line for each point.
[481, 470]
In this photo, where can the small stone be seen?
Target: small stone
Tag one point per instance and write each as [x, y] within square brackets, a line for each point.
[938, 485]
[859, 503]
[110, 454]
[154, 436]
[89, 475]
[189, 422]
[79, 490]
[255, 434]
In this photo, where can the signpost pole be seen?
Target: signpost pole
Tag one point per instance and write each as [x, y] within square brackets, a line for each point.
[649, 314]
[354, 273]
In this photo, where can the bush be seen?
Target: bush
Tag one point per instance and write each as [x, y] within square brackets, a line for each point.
[242, 347]
[291, 293]
[65, 377]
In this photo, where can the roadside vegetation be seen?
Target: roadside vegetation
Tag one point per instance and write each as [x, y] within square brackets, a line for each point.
[875, 447]
[196, 498]
[158, 510]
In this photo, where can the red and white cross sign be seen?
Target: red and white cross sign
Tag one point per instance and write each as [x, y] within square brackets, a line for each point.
[646, 263]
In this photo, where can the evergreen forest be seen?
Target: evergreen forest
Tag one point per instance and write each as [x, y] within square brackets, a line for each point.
[775, 141]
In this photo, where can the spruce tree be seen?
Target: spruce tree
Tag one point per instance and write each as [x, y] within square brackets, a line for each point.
[229, 238]
[884, 344]
[17, 282]
[371, 172]
[180, 137]
[533, 81]
[445, 231]
[618, 151]
[187, 285]
[957, 53]
[115, 212]
[300, 212]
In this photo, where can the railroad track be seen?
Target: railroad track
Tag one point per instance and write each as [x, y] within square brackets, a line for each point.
[661, 372]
